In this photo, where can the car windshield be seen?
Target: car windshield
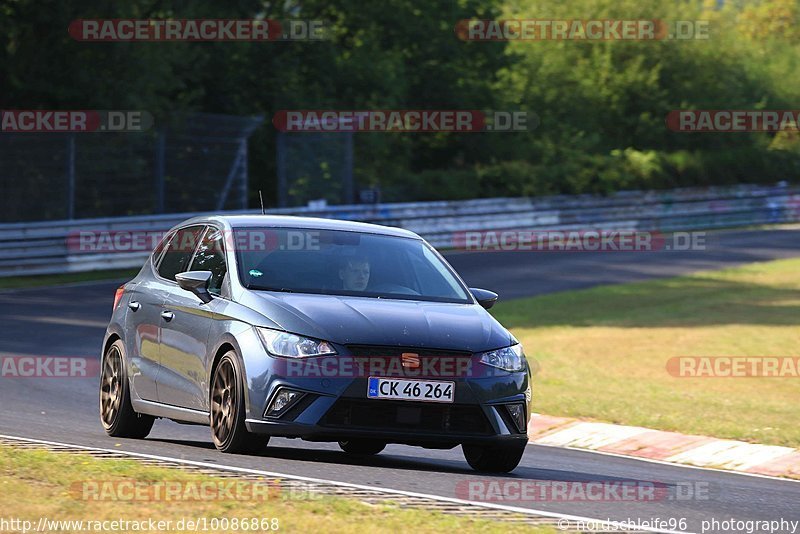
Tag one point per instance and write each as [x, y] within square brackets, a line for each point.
[344, 263]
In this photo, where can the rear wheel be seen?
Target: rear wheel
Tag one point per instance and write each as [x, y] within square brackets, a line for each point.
[116, 412]
[228, 410]
[362, 446]
[494, 458]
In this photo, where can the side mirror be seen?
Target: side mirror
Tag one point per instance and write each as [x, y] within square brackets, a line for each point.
[484, 297]
[196, 282]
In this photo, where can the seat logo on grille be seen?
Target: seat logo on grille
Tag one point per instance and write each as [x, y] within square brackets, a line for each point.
[410, 360]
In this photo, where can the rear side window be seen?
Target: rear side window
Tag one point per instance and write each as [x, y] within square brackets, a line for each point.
[156, 256]
[179, 252]
[210, 256]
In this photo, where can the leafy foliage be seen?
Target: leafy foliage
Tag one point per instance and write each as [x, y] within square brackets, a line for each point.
[601, 104]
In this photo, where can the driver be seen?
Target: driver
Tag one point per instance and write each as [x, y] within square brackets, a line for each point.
[354, 273]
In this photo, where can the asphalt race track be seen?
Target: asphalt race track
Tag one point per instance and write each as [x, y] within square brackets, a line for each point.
[70, 321]
[522, 274]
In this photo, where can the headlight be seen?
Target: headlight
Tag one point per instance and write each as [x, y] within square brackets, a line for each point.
[293, 346]
[509, 359]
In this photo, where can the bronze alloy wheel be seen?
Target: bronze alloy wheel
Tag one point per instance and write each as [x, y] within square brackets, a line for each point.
[116, 412]
[228, 410]
[223, 399]
[111, 387]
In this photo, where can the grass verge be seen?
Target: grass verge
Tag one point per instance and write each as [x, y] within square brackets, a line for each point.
[603, 352]
[35, 484]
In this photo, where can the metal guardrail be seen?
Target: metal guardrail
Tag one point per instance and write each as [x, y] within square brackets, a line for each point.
[42, 247]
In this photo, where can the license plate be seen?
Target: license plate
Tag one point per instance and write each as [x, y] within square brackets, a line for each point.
[411, 390]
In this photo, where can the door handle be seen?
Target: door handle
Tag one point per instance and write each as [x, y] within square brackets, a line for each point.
[167, 315]
[134, 305]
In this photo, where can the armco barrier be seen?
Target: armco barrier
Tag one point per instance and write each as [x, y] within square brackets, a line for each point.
[41, 248]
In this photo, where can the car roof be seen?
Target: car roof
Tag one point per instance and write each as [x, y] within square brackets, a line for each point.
[291, 221]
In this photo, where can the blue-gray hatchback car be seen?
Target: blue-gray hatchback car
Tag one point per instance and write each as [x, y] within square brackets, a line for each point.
[316, 329]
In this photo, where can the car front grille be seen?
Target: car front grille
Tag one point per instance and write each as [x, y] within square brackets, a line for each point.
[412, 362]
[396, 416]
[374, 351]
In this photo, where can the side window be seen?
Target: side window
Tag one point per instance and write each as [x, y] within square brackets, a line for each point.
[179, 252]
[156, 256]
[210, 256]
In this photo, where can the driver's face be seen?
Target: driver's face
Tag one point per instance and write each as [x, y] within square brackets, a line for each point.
[355, 275]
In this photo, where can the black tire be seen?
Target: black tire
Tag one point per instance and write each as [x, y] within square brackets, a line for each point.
[362, 446]
[494, 458]
[116, 412]
[228, 410]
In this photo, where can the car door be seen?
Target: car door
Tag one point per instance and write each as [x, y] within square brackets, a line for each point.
[144, 321]
[185, 328]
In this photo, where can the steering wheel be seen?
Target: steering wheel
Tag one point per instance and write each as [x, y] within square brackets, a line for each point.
[394, 288]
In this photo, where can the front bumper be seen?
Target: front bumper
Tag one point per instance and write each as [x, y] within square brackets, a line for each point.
[334, 409]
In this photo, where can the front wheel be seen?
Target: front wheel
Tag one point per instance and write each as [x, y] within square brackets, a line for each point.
[494, 458]
[116, 412]
[228, 410]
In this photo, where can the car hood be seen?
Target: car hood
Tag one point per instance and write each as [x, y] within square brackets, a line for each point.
[372, 321]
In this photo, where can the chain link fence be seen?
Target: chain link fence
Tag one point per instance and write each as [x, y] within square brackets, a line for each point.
[193, 163]
[314, 166]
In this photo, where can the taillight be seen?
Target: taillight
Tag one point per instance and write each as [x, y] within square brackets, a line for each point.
[118, 295]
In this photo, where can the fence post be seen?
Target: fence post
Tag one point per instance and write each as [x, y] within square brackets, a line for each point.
[347, 172]
[236, 169]
[160, 162]
[71, 176]
[280, 144]
[245, 170]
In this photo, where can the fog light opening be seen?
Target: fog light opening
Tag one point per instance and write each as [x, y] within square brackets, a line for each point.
[282, 401]
[518, 415]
